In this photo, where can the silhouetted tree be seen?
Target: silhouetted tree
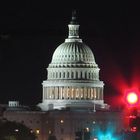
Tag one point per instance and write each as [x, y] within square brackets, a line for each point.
[15, 131]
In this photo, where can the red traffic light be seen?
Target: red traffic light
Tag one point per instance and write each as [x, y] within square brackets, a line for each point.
[132, 97]
[133, 129]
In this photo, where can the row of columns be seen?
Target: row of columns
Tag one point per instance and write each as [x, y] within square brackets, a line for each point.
[73, 75]
[95, 93]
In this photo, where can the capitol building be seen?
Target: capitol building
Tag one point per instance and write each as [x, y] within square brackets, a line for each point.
[73, 75]
[72, 97]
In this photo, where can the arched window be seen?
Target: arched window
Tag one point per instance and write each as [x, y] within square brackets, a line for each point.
[72, 74]
[56, 74]
[68, 74]
[89, 75]
[81, 75]
[92, 75]
[63, 74]
[76, 76]
[85, 75]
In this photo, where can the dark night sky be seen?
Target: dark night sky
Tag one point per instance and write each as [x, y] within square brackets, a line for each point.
[31, 31]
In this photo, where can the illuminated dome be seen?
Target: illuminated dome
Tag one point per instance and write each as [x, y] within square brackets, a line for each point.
[72, 76]
[73, 52]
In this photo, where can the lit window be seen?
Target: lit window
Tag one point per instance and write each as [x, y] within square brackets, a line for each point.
[16, 130]
[37, 131]
[62, 121]
[87, 129]
[50, 131]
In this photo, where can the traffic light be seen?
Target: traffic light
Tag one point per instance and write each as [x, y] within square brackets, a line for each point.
[131, 98]
[132, 101]
[133, 124]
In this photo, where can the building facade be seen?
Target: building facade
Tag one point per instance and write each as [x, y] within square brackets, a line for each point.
[63, 124]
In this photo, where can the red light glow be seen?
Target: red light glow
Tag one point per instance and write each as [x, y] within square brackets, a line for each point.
[134, 129]
[132, 117]
[131, 97]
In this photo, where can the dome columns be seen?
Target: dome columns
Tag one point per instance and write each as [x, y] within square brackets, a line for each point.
[73, 73]
[73, 93]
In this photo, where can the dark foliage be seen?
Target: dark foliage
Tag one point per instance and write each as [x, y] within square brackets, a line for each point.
[15, 131]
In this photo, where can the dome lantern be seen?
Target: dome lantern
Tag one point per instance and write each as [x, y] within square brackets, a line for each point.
[73, 29]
